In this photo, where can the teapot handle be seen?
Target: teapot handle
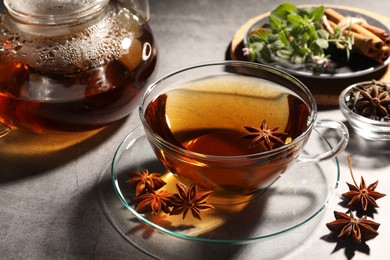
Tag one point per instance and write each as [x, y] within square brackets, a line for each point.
[142, 7]
[4, 130]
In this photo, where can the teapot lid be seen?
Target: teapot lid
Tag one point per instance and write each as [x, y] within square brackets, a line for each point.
[53, 11]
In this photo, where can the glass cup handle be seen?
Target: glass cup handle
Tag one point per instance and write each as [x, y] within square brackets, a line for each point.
[334, 151]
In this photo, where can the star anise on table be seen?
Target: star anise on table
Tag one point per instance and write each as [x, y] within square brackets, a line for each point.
[191, 199]
[269, 136]
[374, 101]
[348, 227]
[154, 202]
[144, 181]
[363, 194]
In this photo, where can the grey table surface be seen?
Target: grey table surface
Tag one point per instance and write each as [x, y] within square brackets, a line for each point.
[51, 190]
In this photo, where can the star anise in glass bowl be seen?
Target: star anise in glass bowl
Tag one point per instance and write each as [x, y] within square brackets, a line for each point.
[366, 106]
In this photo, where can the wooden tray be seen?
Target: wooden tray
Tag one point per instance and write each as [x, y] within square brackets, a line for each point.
[325, 92]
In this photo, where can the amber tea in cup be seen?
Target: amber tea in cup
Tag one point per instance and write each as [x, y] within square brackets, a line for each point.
[208, 116]
[197, 122]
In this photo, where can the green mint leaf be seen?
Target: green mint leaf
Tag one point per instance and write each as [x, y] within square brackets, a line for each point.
[266, 54]
[305, 38]
[295, 20]
[317, 13]
[323, 34]
[297, 59]
[304, 11]
[277, 45]
[295, 32]
[322, 43]
[316, 49]
[284, 53]
[296, 35]
[255, 50]
[284, 9]
[304, 51]
[284, 38]
[257, 46]
[275, 23]
[273, 37]
[311, 30]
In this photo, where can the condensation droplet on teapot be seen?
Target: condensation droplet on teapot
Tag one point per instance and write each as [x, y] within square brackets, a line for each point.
[79, 50]
[75, 70]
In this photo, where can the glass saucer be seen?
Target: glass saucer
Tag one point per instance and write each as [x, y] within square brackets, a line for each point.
[295, 199]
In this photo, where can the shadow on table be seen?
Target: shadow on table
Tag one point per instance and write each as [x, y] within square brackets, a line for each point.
[350, 248]
[24, 154]
[142, 239]
[365, 154]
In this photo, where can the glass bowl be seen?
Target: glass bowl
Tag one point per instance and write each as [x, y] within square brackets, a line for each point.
[369, 129]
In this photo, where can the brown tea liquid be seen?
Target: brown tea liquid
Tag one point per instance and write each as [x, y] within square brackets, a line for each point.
[208, 116]
[76, 82]
[85, 101]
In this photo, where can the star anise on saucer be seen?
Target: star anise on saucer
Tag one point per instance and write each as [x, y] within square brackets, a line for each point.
[348, 227]
[143, 181]
[374, 101]
[363, 194]
[154, 202]
[191, 199]
[269, 136]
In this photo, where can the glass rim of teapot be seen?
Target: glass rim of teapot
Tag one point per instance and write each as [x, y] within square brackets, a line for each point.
[58, 13]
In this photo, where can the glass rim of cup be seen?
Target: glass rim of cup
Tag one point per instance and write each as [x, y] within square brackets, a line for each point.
[311, 119]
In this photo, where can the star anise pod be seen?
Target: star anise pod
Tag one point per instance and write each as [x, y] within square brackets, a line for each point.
[364, 194]
[265, 134]
[144, 181]
[191, 199]
[348, 227]
[374, 102]
[154, 202]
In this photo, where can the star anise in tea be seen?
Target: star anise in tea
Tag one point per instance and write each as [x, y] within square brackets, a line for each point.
[363, 194]
[269, 136]
[154, 202]
[144, 181]
[191, 199]
[372, 101]
[348, 227]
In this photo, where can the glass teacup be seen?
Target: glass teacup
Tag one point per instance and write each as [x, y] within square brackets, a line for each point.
[232, 127]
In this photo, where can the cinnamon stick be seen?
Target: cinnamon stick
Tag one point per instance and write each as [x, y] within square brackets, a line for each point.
[369, 40]
[336, 17]
[362, 44]
[333, 15]
[383, 55]
[378, 32]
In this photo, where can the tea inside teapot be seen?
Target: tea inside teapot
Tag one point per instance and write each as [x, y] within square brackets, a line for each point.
[69, 67]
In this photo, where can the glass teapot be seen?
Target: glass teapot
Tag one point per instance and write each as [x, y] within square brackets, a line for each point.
[70, 65]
